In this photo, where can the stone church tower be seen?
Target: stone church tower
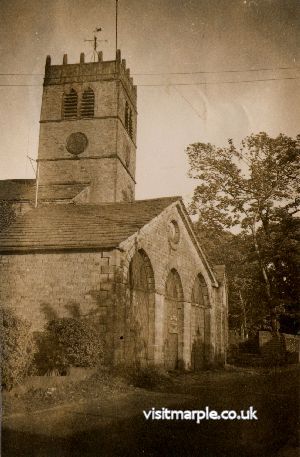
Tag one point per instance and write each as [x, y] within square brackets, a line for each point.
[88, 129]
[135, 268]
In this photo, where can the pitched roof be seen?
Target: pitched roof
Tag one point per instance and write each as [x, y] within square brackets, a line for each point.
[80, 226]
[23, 190]
[55, 192]
[17, 189]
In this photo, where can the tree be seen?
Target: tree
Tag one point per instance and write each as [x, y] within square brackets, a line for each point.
[281, 251]
[245, 287]
[248, 189]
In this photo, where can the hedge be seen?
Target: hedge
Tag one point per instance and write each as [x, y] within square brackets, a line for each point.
[17, 348]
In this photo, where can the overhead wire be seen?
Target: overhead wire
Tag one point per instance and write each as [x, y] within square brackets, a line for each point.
[182, 72]
[170, 84]
[189, 103]
[215, 71]
[200, 83]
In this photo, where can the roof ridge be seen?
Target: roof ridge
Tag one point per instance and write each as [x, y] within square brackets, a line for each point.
[173, 198]
[18, 180]
[73, 205]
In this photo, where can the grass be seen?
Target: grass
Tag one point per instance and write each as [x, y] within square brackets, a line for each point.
[102, 398]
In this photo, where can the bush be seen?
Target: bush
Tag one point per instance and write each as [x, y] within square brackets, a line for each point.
[146, 377]
[17, 348]
[68, 342]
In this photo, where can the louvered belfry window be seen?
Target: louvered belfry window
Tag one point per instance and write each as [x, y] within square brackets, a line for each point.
[126, 116]
[87, 103]
[70, 105]
[130, 126]
[128, 120]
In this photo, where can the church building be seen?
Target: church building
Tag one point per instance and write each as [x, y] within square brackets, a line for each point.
[82, 245]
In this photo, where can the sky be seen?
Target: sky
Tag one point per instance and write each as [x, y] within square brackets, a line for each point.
[181, 54]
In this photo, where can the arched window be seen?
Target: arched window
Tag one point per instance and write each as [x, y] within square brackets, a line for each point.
[199, 323]
[70, 102]
[87, 107]
[200, 291]
[173, 321]
[130, 126]
[128, 120]
[126, 116]
[139, 334]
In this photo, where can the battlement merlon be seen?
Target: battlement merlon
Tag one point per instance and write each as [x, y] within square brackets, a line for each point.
[83, 72]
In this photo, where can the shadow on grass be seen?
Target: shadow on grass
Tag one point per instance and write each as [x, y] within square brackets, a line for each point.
[137, 437]
[134, 436]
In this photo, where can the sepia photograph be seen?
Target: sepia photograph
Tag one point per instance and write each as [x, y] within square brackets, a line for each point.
[150, 228]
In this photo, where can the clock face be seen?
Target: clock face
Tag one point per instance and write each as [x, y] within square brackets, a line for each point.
[76, 143]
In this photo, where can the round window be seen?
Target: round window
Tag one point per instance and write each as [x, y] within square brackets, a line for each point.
[77, 143]
[173, 232]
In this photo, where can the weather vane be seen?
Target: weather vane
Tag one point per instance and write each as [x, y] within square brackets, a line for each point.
[95, 41]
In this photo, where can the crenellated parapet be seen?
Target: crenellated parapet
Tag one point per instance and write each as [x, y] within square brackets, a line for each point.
[83, 72]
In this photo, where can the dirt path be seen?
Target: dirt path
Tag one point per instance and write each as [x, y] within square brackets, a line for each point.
[115, 426]
[60, 421]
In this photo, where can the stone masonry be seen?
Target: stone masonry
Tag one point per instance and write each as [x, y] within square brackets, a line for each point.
[90, 250]
[95, 283]
[108, 162]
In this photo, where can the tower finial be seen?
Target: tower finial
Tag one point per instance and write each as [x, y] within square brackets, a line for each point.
[48, 61]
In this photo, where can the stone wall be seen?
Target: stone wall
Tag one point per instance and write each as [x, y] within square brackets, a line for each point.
[101, 134]
[270, 345]
[105, 98]
[184, 258]
[221, 324]
[45, 285]
[108, 162]
[42, 285]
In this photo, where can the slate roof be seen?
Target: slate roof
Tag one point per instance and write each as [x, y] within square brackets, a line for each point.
[17, 189]
[80, 226]
[23, 190]
[56, 192]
